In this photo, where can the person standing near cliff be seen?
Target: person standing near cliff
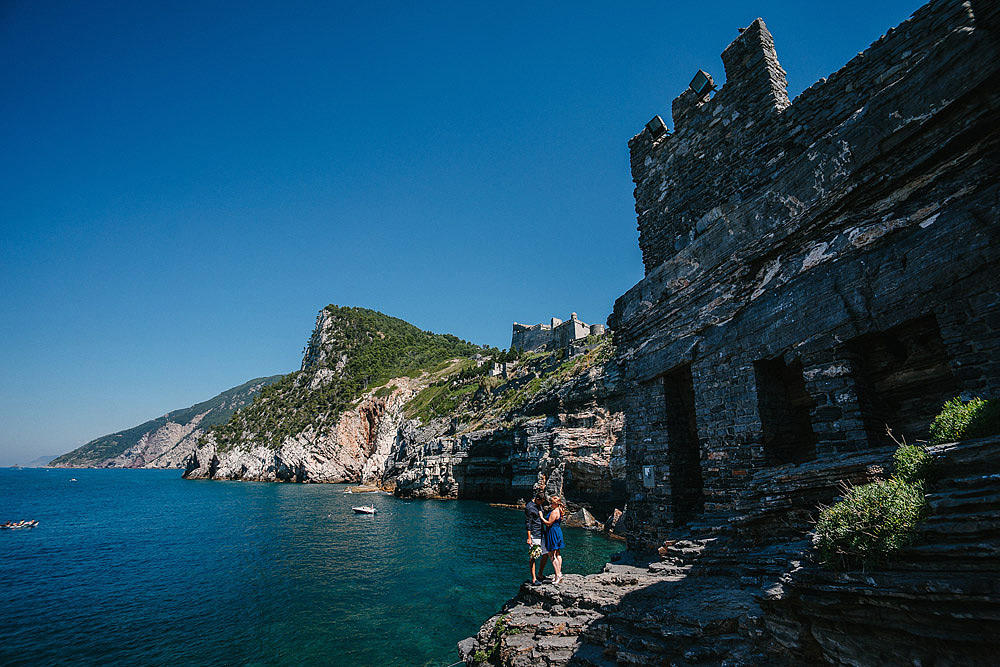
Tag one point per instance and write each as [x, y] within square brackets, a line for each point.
[536, 541]
[554, 536]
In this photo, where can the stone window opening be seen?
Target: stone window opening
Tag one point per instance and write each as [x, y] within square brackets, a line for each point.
[785, 410]
[686, 485]
[903, 379]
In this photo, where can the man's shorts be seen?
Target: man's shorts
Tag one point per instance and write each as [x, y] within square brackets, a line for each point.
[539, 542]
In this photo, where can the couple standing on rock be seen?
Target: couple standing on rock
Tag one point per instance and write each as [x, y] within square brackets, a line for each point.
[545, 538]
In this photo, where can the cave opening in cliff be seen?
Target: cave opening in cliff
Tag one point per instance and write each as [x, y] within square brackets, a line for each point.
[686, 485]
[903, 378]
[785, 409]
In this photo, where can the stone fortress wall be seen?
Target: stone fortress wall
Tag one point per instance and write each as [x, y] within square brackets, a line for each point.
[815, 270]
[555, 335]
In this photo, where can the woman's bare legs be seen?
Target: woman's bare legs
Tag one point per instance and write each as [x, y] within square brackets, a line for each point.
[557, 565]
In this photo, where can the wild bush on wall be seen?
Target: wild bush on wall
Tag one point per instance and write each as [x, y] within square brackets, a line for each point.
[874, 521]
[960, 420]
[912, 463]
[871, 523]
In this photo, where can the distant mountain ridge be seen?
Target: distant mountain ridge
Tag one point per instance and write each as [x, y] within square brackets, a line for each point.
[166, 441]
[40, 462]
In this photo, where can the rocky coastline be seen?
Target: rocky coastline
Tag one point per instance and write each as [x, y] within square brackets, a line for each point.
[747, 590]
[164, 442]
[554, 416]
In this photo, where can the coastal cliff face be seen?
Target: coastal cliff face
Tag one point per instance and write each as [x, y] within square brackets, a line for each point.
[355, 448]
[164, 442]
[430, 417]
[568, 435]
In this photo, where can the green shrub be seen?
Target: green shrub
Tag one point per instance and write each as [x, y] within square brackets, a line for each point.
[960, 420]
[912, 463]
[874, 521]
[870, 524]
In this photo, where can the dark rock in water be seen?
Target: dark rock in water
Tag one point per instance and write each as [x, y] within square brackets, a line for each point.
[466, 649]
[581, 519]
[615, 523]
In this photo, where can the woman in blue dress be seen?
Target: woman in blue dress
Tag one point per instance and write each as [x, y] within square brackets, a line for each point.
[554, 536]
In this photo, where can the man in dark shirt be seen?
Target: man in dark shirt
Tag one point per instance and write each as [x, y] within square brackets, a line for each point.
[533, 524]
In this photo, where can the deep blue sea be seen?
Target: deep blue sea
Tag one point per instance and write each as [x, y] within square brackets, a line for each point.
[141, 567]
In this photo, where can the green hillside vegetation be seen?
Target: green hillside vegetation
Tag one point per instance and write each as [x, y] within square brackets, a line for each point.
[471, 397]
[219, 408]
[372, 347]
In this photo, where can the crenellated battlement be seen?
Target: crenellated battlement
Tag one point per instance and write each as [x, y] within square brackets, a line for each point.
[555, 335]
[747, 132]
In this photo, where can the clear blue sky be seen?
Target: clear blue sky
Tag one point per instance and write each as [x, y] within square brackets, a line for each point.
[185, 184]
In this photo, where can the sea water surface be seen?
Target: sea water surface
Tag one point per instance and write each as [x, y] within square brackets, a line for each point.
[141, 567]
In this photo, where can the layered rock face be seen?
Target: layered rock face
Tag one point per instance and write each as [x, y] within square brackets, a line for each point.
[815, 270]
[165, 442]
[745, 593]
[569, 436]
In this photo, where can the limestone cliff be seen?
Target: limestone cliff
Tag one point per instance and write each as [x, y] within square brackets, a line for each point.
[379, 402]
[164, 442]
[353, 448]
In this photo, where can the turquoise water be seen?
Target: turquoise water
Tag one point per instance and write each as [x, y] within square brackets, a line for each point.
[140, 567]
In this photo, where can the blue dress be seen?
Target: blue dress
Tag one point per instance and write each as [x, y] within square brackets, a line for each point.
[554, 536]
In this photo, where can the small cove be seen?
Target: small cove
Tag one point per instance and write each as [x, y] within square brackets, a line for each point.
[142, 567]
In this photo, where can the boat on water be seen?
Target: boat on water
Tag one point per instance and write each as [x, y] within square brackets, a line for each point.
[19, 524]
[365, 509]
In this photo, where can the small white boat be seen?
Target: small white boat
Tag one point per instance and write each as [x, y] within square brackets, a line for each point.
[365, 509]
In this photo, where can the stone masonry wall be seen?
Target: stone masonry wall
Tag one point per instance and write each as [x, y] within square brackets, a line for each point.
[828, 264]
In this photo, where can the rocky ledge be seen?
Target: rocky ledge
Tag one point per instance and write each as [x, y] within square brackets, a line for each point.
[747, 591]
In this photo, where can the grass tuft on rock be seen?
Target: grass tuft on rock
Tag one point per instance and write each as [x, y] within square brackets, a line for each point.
[961, 420]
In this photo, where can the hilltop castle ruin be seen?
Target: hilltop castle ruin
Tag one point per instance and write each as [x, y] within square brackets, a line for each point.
[553, 336]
